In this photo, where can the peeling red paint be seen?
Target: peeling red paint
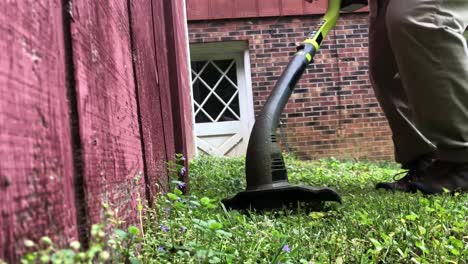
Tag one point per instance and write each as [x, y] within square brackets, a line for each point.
[107, 106]
[225, 9]
[36, 170]
[156, 128]
[222, 9]
[123, 105]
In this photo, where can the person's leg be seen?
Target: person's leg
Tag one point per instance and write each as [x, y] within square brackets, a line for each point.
[426, 37]
[411, 147]
[409, 143]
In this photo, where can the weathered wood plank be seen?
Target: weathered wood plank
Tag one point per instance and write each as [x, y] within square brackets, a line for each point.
[179, 76]
[269, 7]
[221, 8]
[107, 107]
[224, 9]
[245, 8]
[36, 170]
[148, 86]
[198, 9]
[162, 65]
[292, 7]
[316, 7]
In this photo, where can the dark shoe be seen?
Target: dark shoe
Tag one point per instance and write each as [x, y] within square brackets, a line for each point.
[443, 176]
[414, 170]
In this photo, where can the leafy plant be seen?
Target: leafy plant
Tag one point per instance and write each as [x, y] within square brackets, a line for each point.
[107, 243]
[369, 227]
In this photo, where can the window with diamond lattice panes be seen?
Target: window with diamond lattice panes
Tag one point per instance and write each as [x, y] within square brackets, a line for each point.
[215, 91]
[222, 97]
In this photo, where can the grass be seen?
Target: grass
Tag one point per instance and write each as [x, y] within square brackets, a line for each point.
[368, 227]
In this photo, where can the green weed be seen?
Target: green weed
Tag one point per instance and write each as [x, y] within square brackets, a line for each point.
[370, 226]
[108, 244]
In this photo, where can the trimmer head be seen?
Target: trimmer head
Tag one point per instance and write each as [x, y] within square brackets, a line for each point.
[265, 169]
[286, 196]
[266, 173]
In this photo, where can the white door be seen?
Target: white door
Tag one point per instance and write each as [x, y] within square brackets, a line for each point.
[223, 108]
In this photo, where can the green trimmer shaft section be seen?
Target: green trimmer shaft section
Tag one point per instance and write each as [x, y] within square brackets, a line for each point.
[267, 179]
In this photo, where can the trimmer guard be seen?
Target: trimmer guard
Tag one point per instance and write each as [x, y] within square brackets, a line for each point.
[285, 196]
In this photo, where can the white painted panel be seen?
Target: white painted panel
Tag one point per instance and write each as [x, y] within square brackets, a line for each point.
[228, 138]
[222, 128]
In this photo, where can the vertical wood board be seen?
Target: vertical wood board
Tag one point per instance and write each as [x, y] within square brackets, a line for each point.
[316, 7]
[176, 29]
[36, 170]
[245, 8]
[268, 7]
[107, 107]
[149, 95]
[292, 7]
[199, 9]
[220, 8]
[161, 33]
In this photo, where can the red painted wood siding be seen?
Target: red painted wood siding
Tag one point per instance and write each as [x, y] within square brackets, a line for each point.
[179, 73]
[107, 107]
[89, 101]
[152, 87]
[222, 9]
[162, 67]
[36, 168]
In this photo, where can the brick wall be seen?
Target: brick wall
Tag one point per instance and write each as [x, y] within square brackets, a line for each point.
[333, 111]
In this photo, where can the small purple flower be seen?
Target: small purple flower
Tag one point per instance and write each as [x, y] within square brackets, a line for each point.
[181, 185]
[183, 170]
[182, 158]
[183, 229]
[286, 248]
[161, 249]
[164, 228]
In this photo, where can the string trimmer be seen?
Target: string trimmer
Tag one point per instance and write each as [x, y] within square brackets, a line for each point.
[267, 178]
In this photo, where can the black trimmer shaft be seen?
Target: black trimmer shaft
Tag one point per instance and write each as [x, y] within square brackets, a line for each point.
[267, 178]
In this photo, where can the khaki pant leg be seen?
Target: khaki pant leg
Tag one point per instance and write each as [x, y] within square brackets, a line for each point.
[408, 141]
[426, 37]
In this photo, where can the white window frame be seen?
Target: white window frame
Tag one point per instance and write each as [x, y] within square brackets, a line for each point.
[239, 51]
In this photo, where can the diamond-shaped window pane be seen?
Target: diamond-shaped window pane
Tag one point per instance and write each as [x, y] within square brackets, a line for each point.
[220, 101]
[213, 106]
[235, 105]
[226, 90]
[231, 113]
[197, 66]
[210, 75]
[202, 118]
[224, 64]
[200, 91]
[228, 116]
[232, 74]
